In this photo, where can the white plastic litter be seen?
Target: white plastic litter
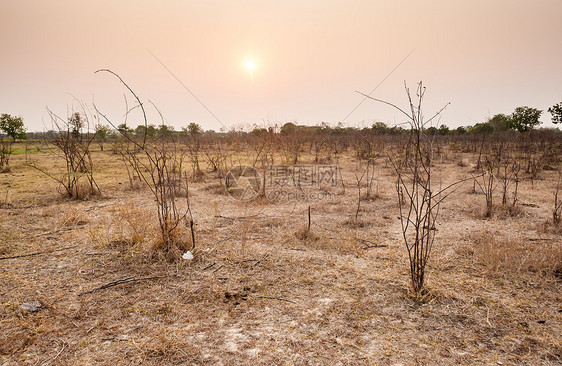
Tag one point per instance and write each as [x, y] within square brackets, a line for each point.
[187, 255]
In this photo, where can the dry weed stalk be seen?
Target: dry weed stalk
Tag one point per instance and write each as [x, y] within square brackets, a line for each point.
[367, 152]
[557, 211]
[487, 184]
[509, 177]
[194, 150]
[216, 157]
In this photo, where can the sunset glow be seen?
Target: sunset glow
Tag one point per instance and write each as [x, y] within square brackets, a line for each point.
[483, 57]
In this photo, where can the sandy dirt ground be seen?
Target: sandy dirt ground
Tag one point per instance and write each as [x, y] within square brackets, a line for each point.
[264, 290]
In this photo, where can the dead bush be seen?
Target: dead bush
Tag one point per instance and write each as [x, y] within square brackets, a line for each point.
[159, 164]
[70, 142]
[5, 152]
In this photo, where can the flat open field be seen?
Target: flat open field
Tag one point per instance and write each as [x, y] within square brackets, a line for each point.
[262, 289]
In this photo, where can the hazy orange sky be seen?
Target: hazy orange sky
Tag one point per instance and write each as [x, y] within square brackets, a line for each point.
[484, 57]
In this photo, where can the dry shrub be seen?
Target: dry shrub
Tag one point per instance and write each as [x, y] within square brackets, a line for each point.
[355, 223]
[133, 229]
[198, 177]
[164, 346]
[306, 235]
[134, 225]
[84, 191]
[180, 243]
[126, 228]
[552, 227]
[510, 254]
[216, 188]
[507, 211]
[73, 217]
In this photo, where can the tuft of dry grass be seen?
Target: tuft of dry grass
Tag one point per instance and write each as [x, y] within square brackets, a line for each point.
[506, 211]
[355, 223]
[552, 227]
[306, 235]
[500, 254]
[133, 229]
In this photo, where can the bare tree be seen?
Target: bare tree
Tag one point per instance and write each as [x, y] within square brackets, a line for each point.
[418, 197]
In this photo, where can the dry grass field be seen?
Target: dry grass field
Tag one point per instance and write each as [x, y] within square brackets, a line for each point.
[264, 290]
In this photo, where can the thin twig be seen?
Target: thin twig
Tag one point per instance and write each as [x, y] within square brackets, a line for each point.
[114, 339]
[38, 253]
[239, 217]
[367, 242]
[53, 232]
[209, 266]
[265, 256]
[58, 354]
[218, 268]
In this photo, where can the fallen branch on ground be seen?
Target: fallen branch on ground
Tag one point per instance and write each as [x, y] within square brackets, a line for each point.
[53, 232]
[38, 253]
[119, 282]
[369, 244]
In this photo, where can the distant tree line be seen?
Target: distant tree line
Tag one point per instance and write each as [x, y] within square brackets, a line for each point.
[522, 119]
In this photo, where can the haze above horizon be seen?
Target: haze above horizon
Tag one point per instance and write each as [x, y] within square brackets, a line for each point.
[257, 62]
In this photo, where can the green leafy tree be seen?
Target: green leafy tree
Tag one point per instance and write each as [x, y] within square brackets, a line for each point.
[481, 128]
[443, 130]
[431, 131]
[288, 128]
[380, 128]
[461, 130]
[150, 131]
[525, 119]
[556, 111]
[500, 122]
[124, 129]
[76, 123]
[259, 131]
[102, 132]
[12, 126]
[165, 130]
[194, 129]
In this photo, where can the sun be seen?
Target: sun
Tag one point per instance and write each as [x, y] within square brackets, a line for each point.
[250, 65]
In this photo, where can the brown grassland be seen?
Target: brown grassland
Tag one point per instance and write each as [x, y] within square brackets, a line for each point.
[262, 289]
